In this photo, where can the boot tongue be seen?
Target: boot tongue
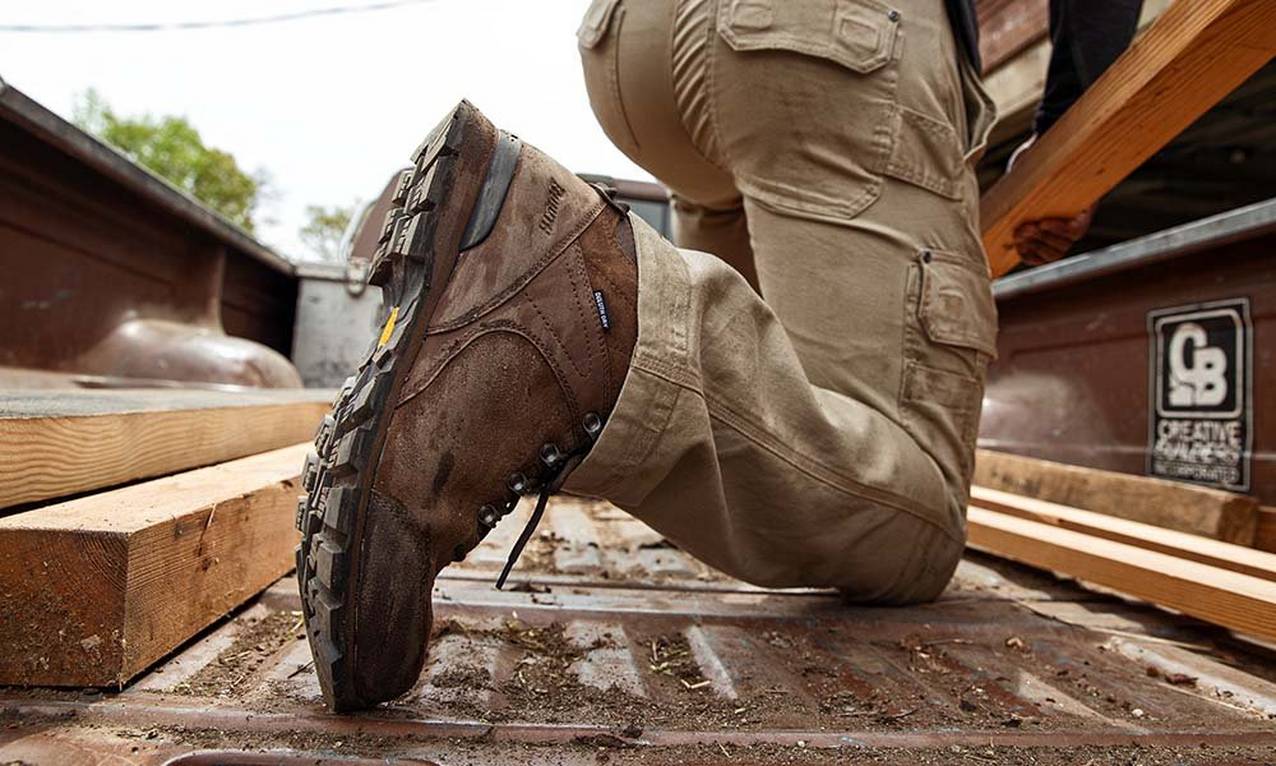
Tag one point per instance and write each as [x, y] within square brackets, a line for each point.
[549, 489]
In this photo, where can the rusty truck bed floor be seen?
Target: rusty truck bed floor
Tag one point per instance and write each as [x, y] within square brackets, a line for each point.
[611, 646]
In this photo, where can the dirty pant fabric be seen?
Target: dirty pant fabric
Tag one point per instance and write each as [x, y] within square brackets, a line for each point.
[817, 431]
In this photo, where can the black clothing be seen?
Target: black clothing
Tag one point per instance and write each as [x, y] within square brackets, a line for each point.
[1088, 35]
[961, 17]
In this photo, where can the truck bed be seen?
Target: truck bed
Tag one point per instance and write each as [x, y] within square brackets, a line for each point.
[609, 645]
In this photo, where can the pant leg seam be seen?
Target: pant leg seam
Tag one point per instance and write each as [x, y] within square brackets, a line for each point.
[757, 434]
[670, 373]
[712, 96]
[719, 410]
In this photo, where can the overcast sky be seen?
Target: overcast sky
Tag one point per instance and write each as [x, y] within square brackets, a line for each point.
[328, 106]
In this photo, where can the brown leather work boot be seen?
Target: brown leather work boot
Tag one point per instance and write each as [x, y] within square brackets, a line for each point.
[511, 313]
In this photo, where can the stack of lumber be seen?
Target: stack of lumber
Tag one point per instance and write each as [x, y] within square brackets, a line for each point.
[96, 587]
[1201, 575]
[1196, 510]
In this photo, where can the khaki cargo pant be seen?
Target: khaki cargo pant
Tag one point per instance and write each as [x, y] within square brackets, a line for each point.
[822, 434]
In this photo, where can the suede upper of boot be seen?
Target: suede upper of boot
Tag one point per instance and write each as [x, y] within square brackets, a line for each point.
[533, 332]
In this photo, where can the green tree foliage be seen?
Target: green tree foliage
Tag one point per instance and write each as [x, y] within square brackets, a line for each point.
[172, 148]
[323, 230]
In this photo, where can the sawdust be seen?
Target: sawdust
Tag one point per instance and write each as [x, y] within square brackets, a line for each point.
[544, 687]
[619, 749]
[671, 656]
[236, 664]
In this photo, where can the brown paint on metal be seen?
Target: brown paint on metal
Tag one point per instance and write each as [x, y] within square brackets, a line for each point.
[276, 758]
[769, 669]
[101, 280]
[196, 717]
[1071, 383]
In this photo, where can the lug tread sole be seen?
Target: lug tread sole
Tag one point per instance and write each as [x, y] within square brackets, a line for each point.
[336, 476]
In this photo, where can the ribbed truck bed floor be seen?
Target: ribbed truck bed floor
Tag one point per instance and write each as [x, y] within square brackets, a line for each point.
[611, 646]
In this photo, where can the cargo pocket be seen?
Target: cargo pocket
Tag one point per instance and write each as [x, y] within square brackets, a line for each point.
[930, 152]
[951, 337]
[927, 153]
[956, 306]
[599, 40]
[803, 95]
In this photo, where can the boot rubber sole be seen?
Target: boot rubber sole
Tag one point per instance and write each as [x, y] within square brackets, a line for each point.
[415, 257]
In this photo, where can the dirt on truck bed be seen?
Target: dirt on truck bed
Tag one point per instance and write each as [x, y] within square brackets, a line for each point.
[610, 646]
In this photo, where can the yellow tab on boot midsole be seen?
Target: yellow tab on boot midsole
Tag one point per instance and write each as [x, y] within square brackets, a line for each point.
[389, 327]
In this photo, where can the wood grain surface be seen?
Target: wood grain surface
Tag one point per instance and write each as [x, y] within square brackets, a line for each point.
[1174, 505]
[1233, 600]
[1185, 62]
[96, 589]
[58, 443]
[1204, 550]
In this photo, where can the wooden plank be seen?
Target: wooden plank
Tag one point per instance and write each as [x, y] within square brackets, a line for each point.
[1236, 558]
[1184, 63]
[1007, 27]
[96, 589]
[1188, 508]
[57, 443]
[1265, 533]
[1233, 600]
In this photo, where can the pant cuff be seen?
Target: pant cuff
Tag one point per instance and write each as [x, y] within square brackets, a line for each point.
[649, 392]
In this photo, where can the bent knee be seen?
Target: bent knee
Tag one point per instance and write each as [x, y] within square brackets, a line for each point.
[908, 569]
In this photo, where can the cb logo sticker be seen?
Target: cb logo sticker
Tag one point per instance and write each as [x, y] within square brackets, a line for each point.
[1201, 419]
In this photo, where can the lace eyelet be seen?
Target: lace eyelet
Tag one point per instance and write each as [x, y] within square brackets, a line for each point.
[518, 484]
[593, 424]
[550, 455]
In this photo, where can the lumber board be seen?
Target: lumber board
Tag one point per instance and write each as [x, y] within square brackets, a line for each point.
[58, 443]
[1230, 599]
[1204, 550]
[1189, 508]
[1006, 27]
[1185, 62]
[1265, 533]
[96, 589]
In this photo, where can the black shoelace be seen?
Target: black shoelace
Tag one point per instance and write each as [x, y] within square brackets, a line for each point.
[557, 465]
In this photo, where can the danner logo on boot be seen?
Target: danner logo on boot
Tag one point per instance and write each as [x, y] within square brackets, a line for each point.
[556, 193]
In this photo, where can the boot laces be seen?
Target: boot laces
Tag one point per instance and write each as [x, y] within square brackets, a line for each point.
[557, 466]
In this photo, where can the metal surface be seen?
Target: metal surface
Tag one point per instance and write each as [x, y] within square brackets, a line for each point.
[19, 109]
[1213, 232]
[1076, 379]
[110, 272]
[335, 323]
[614, 647]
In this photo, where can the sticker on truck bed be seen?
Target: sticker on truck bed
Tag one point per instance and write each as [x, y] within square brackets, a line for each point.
[1201, 419]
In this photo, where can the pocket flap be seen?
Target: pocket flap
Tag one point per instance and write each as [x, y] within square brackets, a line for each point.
[957, 306]
[596, 22]
[858, 34]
